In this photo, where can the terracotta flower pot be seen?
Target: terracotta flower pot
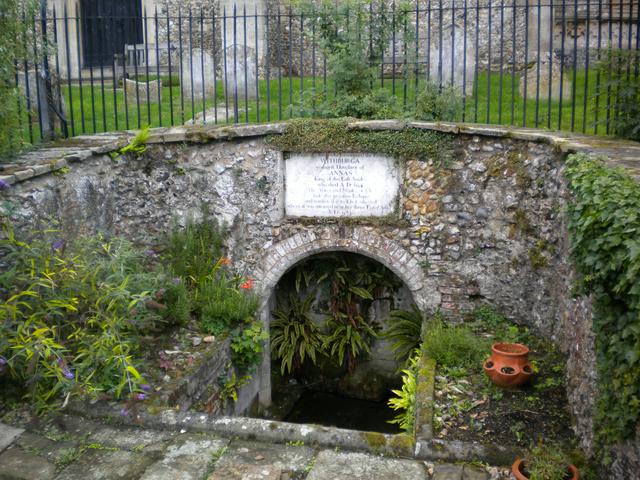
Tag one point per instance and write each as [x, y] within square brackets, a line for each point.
[508, 365]
[517, 470]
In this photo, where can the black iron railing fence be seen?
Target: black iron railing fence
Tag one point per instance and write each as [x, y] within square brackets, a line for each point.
[519, 62]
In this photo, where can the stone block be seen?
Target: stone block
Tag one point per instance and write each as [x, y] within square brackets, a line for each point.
[16, 464]
[447, 471]
[105, 464]
[8, 434]
[332, 465]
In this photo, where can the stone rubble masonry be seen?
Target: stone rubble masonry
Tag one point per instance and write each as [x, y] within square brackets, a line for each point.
[487, 228]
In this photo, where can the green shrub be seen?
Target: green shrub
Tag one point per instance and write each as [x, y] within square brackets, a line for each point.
[454, 345]
[14, 44]
[620, 87]
[68, 308]
[178, 302]
[405, 399]
[194, 251]
[547, 462]
[223, 306]
[604, 223]
[405, 328]
[294, 335]
[247, 344]
[439, 103]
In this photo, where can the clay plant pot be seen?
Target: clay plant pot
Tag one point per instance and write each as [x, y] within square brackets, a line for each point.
[508, 366]
[518, 471]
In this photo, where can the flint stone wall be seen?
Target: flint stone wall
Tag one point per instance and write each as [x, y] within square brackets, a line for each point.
[486, 228]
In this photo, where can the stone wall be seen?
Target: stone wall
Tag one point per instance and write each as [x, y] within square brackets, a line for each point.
[488, 227]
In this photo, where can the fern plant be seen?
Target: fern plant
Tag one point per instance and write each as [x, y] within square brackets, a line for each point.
[405, 399]
[294, 335]
[404, 331]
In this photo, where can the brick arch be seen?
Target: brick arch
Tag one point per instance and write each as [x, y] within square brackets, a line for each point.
[283, 255]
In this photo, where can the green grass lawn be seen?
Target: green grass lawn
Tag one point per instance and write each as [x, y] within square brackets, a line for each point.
[98, 109]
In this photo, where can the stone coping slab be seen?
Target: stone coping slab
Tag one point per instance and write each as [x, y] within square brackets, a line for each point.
[58, 155]
[255, 429]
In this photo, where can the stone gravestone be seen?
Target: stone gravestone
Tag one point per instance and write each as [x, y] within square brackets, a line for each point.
[341, 185]
[199, 64]
[240, 69]
[456, 53]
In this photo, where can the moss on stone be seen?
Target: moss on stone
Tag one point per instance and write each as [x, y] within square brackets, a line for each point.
[401, 445]
[388, 220]
[375, 440]
[334, 136]
[537, 258]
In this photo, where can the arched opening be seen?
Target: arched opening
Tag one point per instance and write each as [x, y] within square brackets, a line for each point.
[331, 361]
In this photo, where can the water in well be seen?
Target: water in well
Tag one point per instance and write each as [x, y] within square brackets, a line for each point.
[329, 409]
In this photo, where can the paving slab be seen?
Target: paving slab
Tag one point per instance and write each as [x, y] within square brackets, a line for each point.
[7, 435]
[332, 465]
[471, 473]
[261, 461]
[188, 459]
[447, 472]
[102, 464]
[16, 464]
[138, 439]
[51, 450]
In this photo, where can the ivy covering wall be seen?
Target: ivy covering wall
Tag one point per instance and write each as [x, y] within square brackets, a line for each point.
[604, 223]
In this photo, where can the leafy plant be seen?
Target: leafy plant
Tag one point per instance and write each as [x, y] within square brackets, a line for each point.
[439, 103]
[294, 334]
[604, 223]
[223, 306]
[15, 40]
[405, 399]
[405, 328]
[621, 85]
[138, 144]
[247, 345]
[66, 310]
[547, 462]
[453, 345]
[194, 251]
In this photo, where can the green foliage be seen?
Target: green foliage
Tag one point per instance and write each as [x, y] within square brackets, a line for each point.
[404, 331]
[453, 345]
[138, 144]
[222, 305]
[501, 329]
[247, 344]
[68, 308]
[14, 36]
[547, 462]
[329, 136]
[176, 298]
[376, 104]
[405, 399]
[193, 251]
[294, 334]
[230, 385]
[621, 84]
[604, 222]
[435, 103]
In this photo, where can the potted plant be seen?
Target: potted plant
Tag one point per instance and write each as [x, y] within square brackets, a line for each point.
[508, 365]
[545, 463]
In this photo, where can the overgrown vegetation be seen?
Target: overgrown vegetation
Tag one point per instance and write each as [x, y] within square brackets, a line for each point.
[74, 313]
[453, 346]
[404, 401]
[12, 46]
[620, 89]
[348, 285]
[404, 331]
[329, 136]
[604, 222]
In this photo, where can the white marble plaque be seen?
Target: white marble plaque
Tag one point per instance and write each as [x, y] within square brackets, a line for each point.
[340, 185]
